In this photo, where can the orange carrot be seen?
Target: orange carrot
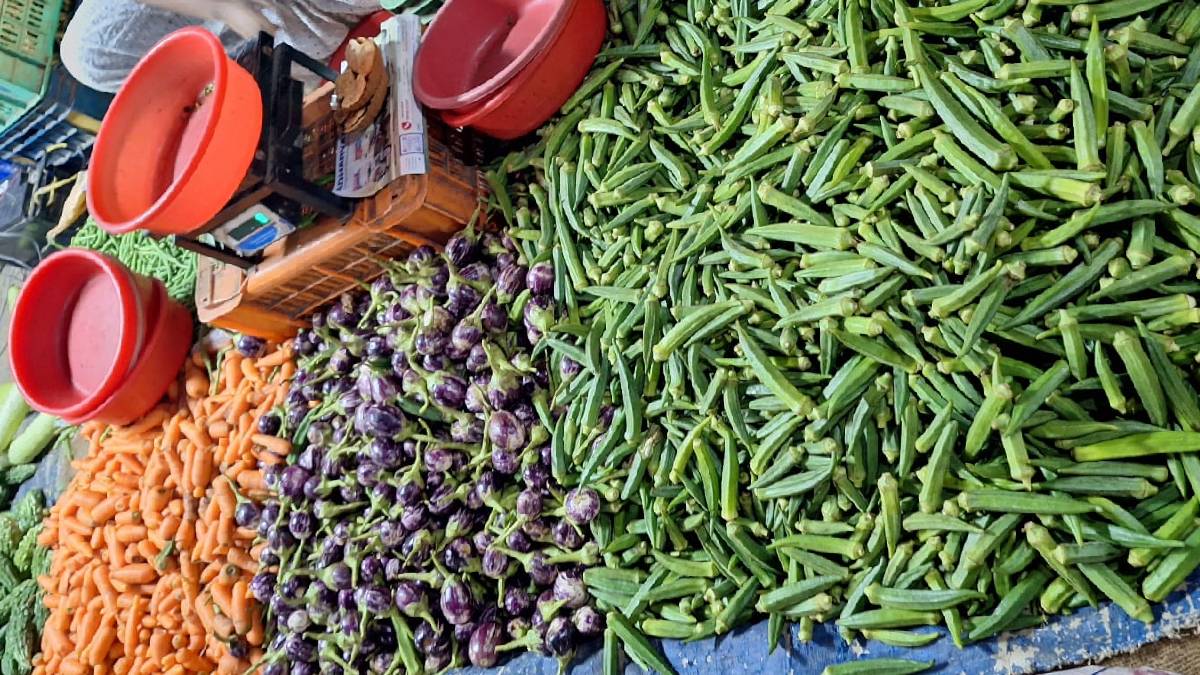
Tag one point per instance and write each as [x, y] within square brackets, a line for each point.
[130, 533]
[103, 639]
[254, 636]
[222, 595]
[196, 384]
[128, 517]
[156, 471]
[232, 370]
[147, 550]
[105, 588]
[150, 571]
[250, 372]
[238, 407]
[170, 525]
[272, 360]
[160, 645]
[202, 464]
[210, 572]
[225, 529]
[135, 574]
[97, 539]
[54, 640]
[222, 626]
[133, 622]
[278, 446]
[185, 536]
[229, 665]
[175, 463]
[218, 429]
[151, 420]
[101, 513]
[89, 621]
[240, 607]
[116, 555]
[195, 433]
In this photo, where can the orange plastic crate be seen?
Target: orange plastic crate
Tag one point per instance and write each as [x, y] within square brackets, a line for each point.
[313, 266]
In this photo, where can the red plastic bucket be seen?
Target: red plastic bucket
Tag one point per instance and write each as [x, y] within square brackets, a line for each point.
[177, 140]
[493, 88]
[90, 339]
[76, 329]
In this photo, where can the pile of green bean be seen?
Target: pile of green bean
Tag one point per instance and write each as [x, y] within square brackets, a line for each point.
[876, 314]
[144, 254]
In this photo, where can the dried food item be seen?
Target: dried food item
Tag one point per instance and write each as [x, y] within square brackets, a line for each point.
[362, 89]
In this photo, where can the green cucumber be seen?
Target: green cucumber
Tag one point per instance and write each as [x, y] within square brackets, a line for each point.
[33, 440]
[13, 410]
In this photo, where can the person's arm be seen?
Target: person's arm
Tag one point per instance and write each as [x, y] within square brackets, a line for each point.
[238, 15]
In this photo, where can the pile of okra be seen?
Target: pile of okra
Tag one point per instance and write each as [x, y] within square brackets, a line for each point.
[876, 314]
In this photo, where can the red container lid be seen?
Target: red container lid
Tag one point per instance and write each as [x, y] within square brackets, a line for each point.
[76, 329]
[473, 47]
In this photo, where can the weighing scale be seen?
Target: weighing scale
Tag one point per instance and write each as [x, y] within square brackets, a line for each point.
[275, 198]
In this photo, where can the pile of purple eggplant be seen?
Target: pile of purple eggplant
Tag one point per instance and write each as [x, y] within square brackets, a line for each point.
[418, 525]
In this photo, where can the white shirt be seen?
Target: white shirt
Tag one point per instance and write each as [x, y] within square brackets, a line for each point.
[106, 38]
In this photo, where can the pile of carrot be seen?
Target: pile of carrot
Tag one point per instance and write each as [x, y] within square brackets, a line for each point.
[150, 571]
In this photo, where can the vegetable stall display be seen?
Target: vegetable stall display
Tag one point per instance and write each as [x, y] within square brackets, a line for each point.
[153, 540]
[847, 312]
[419, 527]
[22, 561]
[23, 439]
[875, 314]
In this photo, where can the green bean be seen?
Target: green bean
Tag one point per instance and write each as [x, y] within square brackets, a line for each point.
[1113, 486]
[1139, 445]
[1067, 286]
[636, 645]
[791, 594]
[930, 496]
[1091, 552]
[864, 238]
[938, 522]
[1010, 606]
[1180, 523]
[1149, 153]
[1117, 590]
[1083, 121]
[1003, 501]
[920, 600]
[901, 638]
[1145, 380]
[878, 667]
[888, 618]
[1036, 394]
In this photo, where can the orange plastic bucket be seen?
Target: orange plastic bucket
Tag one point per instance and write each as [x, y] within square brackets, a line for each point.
[177, 140]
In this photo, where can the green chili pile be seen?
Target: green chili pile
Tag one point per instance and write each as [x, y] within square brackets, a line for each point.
[144, 254]
[876, 314]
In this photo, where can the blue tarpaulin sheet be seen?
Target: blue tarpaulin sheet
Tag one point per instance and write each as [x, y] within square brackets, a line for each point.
[1085, 636]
